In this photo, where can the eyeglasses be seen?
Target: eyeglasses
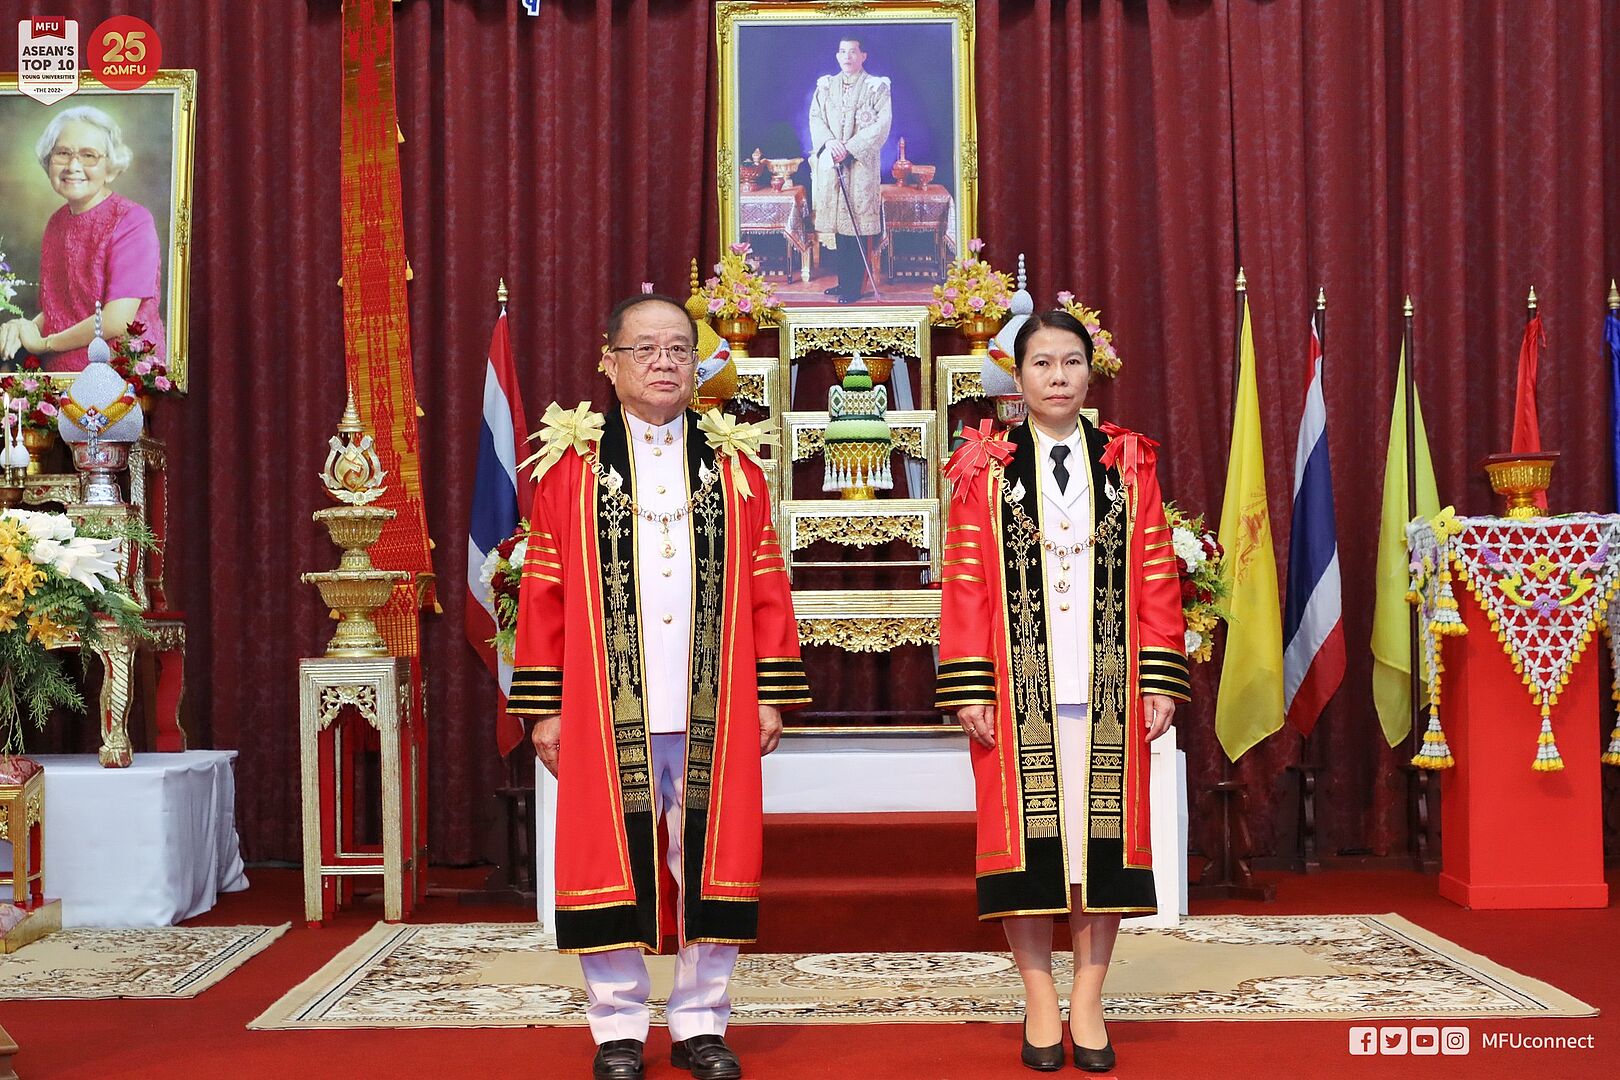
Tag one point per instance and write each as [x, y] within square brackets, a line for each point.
[645, 353]
[89, 158]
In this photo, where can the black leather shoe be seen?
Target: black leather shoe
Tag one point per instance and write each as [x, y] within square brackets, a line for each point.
[1089, 1060]
[707, 1057]
[617, 1059]
[846, 299]
[1041, 1058]
[830, 292]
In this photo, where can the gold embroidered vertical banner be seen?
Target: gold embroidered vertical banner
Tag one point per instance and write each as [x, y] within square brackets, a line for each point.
[376, 326]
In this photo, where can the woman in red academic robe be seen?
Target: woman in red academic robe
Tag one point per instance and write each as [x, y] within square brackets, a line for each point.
[1062, 654]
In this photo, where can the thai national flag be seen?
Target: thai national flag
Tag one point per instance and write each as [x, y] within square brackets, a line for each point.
[500, 499]
[1313, 619]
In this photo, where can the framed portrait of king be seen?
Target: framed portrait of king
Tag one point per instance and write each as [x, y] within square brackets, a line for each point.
[97, 208]
[847, 147]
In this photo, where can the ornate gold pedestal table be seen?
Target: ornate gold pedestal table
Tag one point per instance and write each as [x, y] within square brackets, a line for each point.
[378, 690]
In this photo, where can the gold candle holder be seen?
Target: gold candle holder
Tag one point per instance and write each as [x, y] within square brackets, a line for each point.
[1520, 477]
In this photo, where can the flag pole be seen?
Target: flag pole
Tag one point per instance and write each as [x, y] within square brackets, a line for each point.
[1614, 377]
[1226, 874]
[1309, 763]
[1420, 817]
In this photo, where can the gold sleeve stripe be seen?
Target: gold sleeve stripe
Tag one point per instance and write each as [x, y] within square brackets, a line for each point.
[1151, 529]
[542, 577]
[1162, 559]
[968, 660]
[770, 570]
[963, 544]
[964, 577]
[971, 560]
[963, 526]
[1165, 576]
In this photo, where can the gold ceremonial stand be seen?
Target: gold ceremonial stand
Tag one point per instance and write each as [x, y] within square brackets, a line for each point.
[379, 691]
[357, 675]
[143, 572]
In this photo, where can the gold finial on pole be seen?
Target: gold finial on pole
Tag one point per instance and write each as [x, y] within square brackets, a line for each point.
[692, 276]
[1614, 296]
[350, 423]
[500, 292]
[1407, 311]
[1242, 282]
[1532, 300]
[1321, 298]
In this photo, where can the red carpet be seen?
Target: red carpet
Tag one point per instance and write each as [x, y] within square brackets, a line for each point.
[817, 909]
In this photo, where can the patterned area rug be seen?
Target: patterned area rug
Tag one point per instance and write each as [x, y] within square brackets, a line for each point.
[163, 962]
[1301, 967]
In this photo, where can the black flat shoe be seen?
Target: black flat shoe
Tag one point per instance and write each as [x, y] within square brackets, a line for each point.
[844, 299]
[1041, 1058]
[1098, 1061]
[830, 292]
[617, 1059]
[707, 1057]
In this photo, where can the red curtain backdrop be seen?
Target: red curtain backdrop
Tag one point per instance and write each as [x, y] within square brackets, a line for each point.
[1137, 152]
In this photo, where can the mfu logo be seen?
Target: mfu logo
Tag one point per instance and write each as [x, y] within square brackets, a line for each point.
[48, 58]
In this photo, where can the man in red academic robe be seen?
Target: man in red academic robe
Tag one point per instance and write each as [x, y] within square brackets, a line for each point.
[656, 646]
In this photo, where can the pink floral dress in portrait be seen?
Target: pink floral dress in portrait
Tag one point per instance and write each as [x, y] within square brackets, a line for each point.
[107, 253]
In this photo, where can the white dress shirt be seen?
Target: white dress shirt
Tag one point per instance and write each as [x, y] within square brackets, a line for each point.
[664, 575]
[1066, 520]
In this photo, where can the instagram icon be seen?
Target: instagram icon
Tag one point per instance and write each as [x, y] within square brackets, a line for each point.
[1454, 1040]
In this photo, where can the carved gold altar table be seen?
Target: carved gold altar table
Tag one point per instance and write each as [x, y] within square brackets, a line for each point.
[143, 572]
[378, 690]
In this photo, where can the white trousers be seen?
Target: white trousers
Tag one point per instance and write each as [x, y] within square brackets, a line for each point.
[616, 981]
[1072, 765]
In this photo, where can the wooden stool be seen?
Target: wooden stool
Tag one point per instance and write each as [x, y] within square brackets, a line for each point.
[378, 689]
[22, 821]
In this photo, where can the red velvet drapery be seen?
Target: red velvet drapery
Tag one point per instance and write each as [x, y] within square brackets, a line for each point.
[1136, 151]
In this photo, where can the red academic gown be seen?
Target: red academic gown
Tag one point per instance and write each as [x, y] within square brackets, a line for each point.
[995, 650]
[578, 652]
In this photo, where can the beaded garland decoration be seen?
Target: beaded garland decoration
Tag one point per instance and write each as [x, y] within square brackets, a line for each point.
[1545, 584]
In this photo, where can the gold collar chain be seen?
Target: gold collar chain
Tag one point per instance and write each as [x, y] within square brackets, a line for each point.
[1064, 553]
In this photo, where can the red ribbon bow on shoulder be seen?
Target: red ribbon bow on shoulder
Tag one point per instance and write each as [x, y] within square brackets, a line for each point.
[1130, 450]
[980, 445]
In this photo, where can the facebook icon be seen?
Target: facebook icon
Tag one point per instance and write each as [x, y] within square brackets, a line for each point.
[1363, 1041]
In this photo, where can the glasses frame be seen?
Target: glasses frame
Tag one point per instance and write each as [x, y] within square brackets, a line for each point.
[658, 351]
[63, 155]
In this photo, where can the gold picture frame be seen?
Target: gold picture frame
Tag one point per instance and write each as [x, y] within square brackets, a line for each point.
[770, 56]
[160, 123]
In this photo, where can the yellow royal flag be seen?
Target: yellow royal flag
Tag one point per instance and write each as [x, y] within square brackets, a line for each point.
[1392, 625]
[1250, 704]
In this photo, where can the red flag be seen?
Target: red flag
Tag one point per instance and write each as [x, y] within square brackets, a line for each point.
[1526, 427]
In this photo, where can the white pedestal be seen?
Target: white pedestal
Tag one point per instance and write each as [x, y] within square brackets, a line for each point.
[896, 774]
[150, 845]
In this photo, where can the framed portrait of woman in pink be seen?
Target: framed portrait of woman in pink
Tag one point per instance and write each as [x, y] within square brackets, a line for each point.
[97, 210]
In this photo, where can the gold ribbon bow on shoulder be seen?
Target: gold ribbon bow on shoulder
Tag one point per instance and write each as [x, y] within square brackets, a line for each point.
[562, 430]
[727, 436]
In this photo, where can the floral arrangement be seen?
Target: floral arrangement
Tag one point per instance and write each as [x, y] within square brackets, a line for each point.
[9, 281]
[57, 579]
[1199, 560]
[1105, 359]
[502, 574]
[737, 288]
[33, 396]
[132, 358]
[972, 287]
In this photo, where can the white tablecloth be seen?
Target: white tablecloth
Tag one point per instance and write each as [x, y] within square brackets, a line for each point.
[150, 845]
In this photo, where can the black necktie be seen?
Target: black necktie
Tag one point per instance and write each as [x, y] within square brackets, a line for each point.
[1059, 470]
